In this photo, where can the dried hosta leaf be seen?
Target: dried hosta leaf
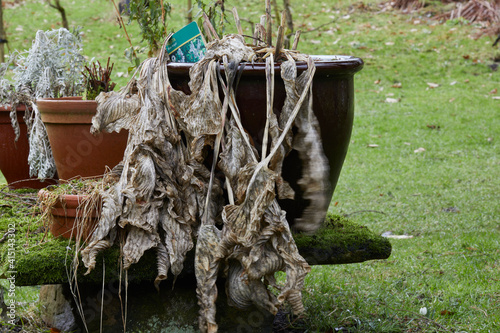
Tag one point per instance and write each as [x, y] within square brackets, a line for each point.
[242, 222]
[206, 267]
[163, 264]
[296, 267]
[202, 111]
[178, 241]
[166, 194]
[138, 241]
[243, 291]
[235, 155]
[232, 46]
[115, 111]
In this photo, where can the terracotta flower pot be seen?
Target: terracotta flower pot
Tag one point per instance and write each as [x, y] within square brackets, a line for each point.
[14, 155]
[333, 104]
[78, 153]
[67, 212]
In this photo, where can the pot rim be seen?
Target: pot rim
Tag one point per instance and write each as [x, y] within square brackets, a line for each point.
[68, 99]
[67, 199]
[337, 65]
[8, 108]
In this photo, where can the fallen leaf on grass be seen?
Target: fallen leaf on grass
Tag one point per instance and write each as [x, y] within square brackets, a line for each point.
[377, 81]
[434, 127]
[397, 85]
[451, 210]
[447, 313]
[432, 85]
[372, 145]
[496, 97]
[419, 150]
[453, 83]
[494, 91]
[389, 43]
[314, 41]
[391, 100]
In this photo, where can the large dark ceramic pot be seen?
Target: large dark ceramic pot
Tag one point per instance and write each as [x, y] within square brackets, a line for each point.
[333, 104]
[76, 151]
[14, 155]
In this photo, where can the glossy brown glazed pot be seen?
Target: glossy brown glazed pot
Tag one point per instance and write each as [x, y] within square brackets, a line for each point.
[78, 153]
[333, 104]
[14, 155]
[67, 212]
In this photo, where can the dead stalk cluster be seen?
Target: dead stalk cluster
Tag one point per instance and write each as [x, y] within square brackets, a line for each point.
[170, 195]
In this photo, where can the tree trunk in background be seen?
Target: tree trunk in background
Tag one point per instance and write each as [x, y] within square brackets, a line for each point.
[289, 22]
[62, 11]
[3, 35]
[189, 16]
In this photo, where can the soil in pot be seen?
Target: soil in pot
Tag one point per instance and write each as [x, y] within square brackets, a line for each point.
[78, 153]
[14, 155]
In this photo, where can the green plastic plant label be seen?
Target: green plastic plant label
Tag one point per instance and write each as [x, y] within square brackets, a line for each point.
[186, 45]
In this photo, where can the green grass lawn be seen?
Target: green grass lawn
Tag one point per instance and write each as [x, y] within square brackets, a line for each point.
[424, 159]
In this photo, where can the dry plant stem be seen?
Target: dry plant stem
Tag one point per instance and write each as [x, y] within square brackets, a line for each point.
[102, 291]
[270, 102]
[296, 40]
[210, 37]
[269, 24]
[279, 41]
[209, 25]
[218, 138]
[237, 21]
[263, 30]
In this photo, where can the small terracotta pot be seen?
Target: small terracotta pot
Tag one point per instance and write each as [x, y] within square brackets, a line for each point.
[68, 210]
[78, 153]
[14, 155]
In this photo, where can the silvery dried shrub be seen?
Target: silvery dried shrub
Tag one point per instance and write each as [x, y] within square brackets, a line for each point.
[50, 68]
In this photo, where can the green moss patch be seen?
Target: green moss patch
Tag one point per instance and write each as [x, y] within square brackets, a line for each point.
[42, 259]
[340, 241]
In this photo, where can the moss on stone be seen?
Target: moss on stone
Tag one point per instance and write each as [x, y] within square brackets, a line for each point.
[340, 241]
[42, 259]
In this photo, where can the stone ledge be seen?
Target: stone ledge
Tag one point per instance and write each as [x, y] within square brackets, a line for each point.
[339, 241]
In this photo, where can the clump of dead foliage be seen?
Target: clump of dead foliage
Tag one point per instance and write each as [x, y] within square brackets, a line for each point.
[474, 11]
[172, 196]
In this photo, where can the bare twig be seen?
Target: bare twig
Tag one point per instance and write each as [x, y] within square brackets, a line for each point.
[120, 20]
[57, 5]
[319, 27]
[364, 211]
